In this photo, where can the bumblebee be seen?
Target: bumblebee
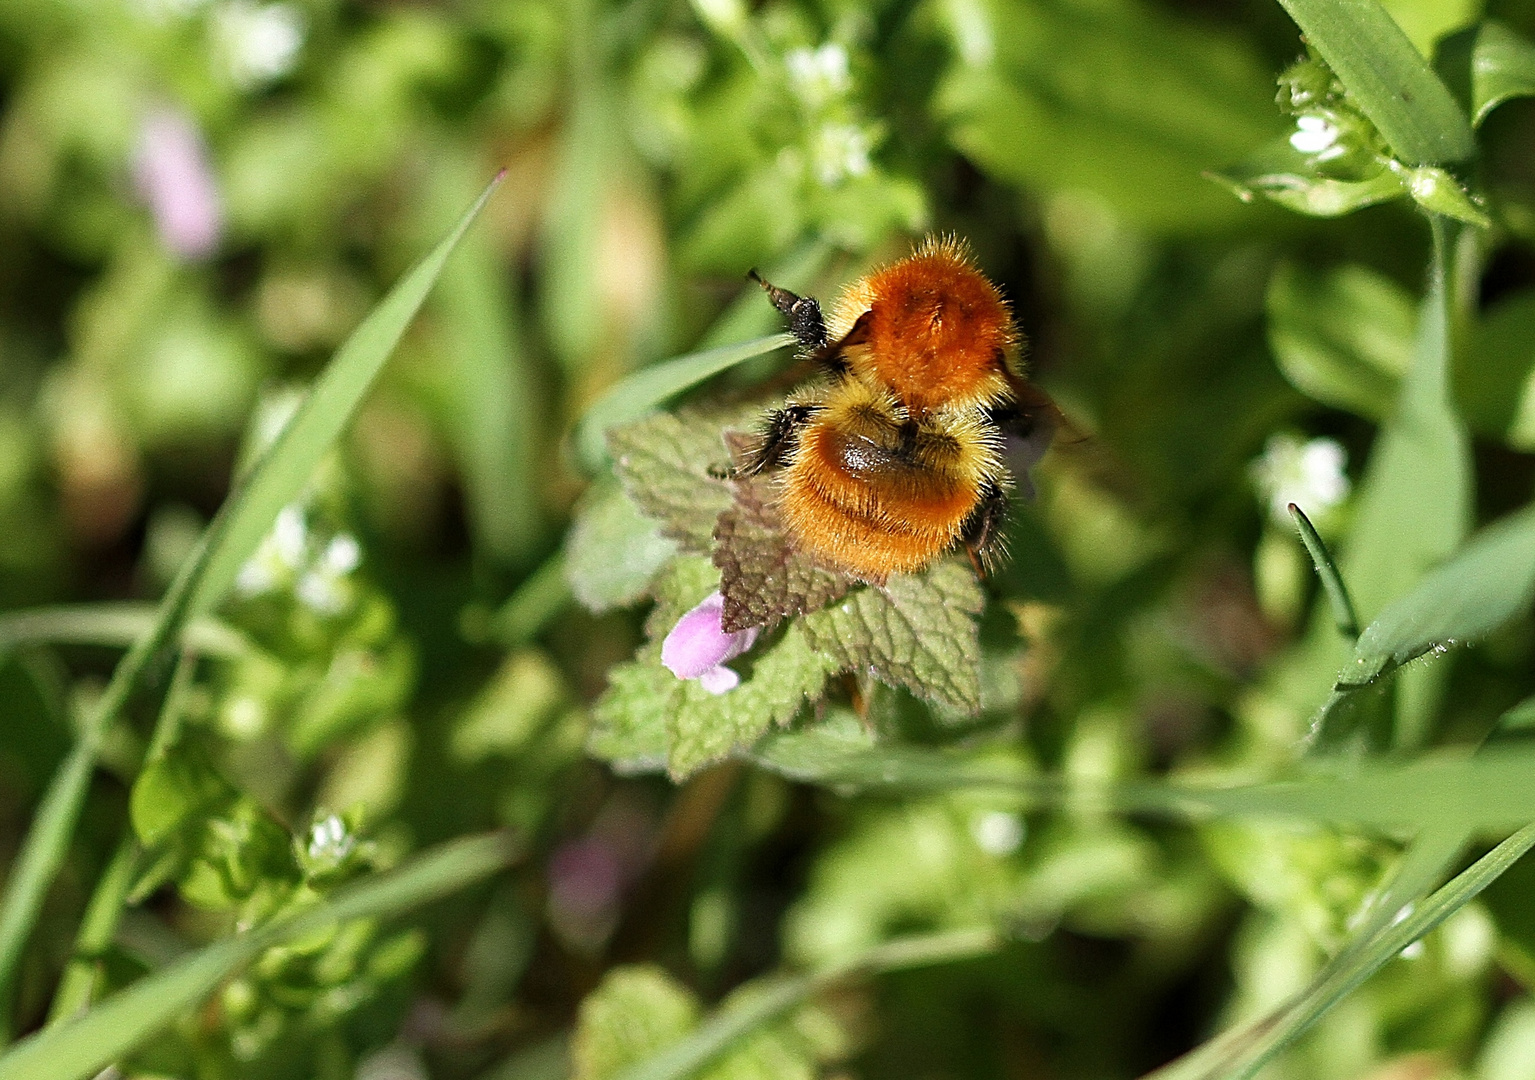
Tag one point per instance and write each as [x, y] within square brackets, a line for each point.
[897, 453]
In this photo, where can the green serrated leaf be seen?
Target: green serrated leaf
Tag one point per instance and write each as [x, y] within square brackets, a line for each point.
[672, 465]
[917, 631]
[613, 551]
[634, 1013]
[629, 720]
[1342, 336]
[1387, 78]
[776, 681]
[171, 791]
[1486, 65]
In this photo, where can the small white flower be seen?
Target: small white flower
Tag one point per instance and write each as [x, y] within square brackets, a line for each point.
[1316, 135]
[342, 555]
[329, 840]
[997, 832]
[818, 75]
[323, 593]
[259, 43]
[841, 151]
[1310, 475]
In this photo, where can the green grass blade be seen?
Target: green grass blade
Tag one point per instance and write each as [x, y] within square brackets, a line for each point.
[1327, 570]
[1242, 1053]
[289, 462]
[1387, 78]
[722, 1031]
[641, 392]
[540, 597]
[118, 625]
[82, 1047]
[234, 533]
[1486, 65]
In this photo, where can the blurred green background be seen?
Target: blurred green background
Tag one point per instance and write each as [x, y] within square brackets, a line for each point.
[200, 198]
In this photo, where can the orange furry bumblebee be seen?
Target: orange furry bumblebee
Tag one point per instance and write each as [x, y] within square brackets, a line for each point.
[897, 455]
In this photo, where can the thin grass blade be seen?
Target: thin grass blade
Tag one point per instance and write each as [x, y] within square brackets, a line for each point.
[1327, 570]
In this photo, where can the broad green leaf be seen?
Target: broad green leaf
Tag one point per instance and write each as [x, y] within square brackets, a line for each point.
[1488, 582]
[1118, 99]
[629, 721]
[1342, 336]
[83, 1047]
[647, 389]
[1332, 581]
[672, 467]
[845, 758]
[1486, 65]
[1387, 78]
[776, 682]
[286, 466]
[1495, 378]
[916, 631]
[634, 1013]
[775, 996]
[115, 624]
[1280, 172]
[1414, 503]
[1426, 21]
[613, 551]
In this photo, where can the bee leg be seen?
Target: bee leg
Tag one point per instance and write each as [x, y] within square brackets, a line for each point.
[983, 534]
[806, 322]
[778, 439]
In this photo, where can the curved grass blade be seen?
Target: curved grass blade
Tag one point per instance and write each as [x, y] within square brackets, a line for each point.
[1240, 1054]
[724, 1029]
[81, 1048]
[277, 478]
[1486, 65]
[114, 624]
[1388, 78]
[289, 462]
[647, 388]
[1327, 571]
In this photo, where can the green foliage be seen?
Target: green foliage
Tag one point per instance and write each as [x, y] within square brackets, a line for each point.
[939, 826]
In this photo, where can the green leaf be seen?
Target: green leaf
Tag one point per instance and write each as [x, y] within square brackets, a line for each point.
[115, 624]
[840, 755]
[770, 998]
[645, 390]
[1426, 21]
[172, 790]
[776, 681]
[1387, 78]
[672, 465]
[916, 631]
[1440, 193]
[1342, 336]
[1495, 377]
[1413, 505]
[1486, 65]
[1489, 581]
[1332, 582]
[635, 1012]
[613, 551]
[1280, 172]
[81, 1048]
[1117, 99]
[629, 721]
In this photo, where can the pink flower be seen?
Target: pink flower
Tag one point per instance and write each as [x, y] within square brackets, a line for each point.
[173, 176]
[698, 647]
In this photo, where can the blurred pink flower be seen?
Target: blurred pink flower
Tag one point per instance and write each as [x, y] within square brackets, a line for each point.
[173, 176]
[698, 647]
